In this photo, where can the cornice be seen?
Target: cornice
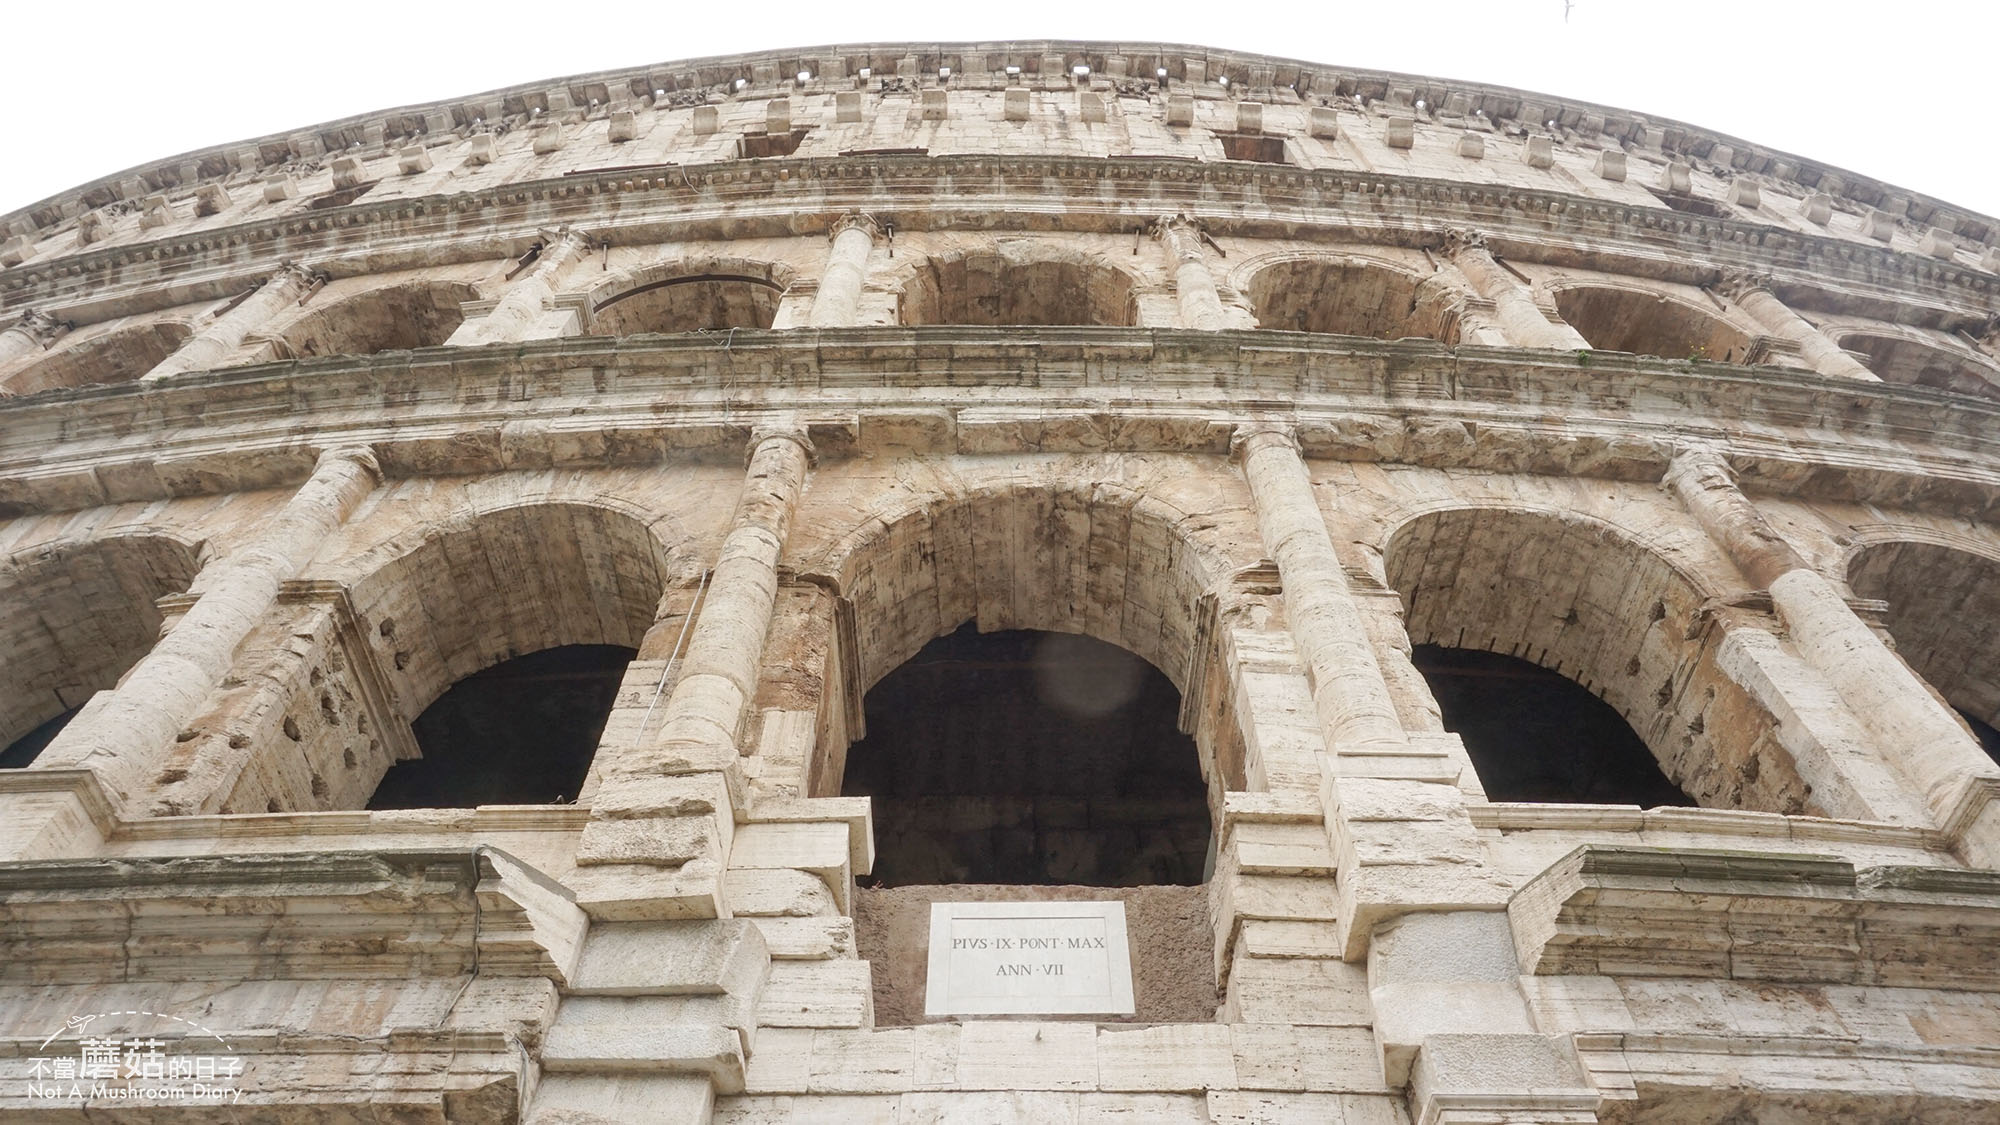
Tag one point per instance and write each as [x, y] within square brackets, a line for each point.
[771, 72]
[769, 198]
[604, 401]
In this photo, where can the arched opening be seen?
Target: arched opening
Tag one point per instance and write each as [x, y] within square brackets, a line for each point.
[73, 619]
[519, 733]
[698, 302]
[987, 623]
[392, 318]
[497, 639]
[1944, 615]
[1026, 756]
[1577, 599]
[1349, 299]
[1011, 289]
[1912, 363]
[1621, 320]
[1536, 735]
[112, 357]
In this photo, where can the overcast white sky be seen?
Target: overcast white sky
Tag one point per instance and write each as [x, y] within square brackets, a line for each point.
[1903, 90]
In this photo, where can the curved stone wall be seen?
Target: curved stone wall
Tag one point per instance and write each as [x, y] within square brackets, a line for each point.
[774, 369]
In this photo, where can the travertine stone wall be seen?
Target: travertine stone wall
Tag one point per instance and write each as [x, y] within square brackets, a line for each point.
[776, 368]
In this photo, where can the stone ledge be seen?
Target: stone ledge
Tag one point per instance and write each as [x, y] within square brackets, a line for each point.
[343, 915]
[673, 398]
[1758, 916]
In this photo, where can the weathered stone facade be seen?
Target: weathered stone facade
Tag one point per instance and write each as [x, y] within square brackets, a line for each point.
[774, 369]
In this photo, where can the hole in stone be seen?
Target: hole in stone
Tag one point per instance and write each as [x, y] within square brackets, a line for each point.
[1253, 147]
[1030, 757]
[521, 732]
[753, 146]
[1535, 735]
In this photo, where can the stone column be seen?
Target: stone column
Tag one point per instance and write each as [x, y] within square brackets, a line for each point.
[1754, 294]
[838, 303]
[1201, 305]
[121, 733]
[225, 333]
[1348, 688]
[515, 315]
[671, 801]
[1390, 795]
[1520, 318]
[28, 335]
[1912, 727]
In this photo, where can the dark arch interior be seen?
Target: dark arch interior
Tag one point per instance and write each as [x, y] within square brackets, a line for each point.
[519, 733]
[1989, 738]
[1535, 735]
[1030, 757]
[23, 751]
[709, 302]
[1618, 320]
[1912, 364]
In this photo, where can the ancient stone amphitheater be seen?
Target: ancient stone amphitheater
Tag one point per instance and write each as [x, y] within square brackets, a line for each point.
[1504, 592]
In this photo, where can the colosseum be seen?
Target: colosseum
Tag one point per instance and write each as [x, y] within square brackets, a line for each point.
[1100, 584]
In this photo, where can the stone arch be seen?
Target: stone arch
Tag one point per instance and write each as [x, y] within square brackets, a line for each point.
[1625, 318]
[1943, 595]
[1104, 560]
[431, 608]
[1078, 564]
[415, 314]
[706, 294]
[1911, 360]
[76, 615]
[504, 582]
[1018, 283]
[1609, 611]
[117, 356]
[1346, 295]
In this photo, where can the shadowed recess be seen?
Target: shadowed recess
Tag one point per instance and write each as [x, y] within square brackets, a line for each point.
[73, 619]
[519, 733]
[113, 357]
[1030, 757]
[1534, 735]
[1349, 299]
[22, 751]
[1989, 738]
[1914, 364]
[708, 302]
[1944, 615]
[1619, 320]
[1000, 290]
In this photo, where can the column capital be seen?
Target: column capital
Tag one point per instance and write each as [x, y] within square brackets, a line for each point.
[855, 220]
[1700, 463]
[781, 431]
[359, 455]
[1248, 434]
[298, 276]
[1738, 284]
[1183, 234]
[1457, 240]
[40, 326]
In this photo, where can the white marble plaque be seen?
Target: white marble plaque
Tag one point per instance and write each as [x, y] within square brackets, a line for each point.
[1028, 958]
